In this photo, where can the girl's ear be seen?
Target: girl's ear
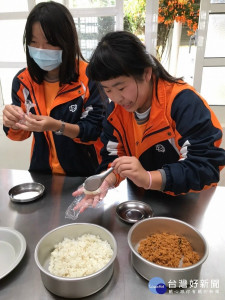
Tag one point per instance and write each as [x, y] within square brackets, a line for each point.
[148, 74]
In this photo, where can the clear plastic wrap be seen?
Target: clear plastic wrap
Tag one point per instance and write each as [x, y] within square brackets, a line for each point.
[29, 105]
[73, 214]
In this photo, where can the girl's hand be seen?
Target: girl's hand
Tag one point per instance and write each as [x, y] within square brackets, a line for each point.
[38, 123]
[131, 168]
[91, 200]
[12, 114]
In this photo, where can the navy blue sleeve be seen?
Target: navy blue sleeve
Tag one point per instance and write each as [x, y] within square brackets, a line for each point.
[91, 121]
[110, 142]
[200, 159]
[15, 99]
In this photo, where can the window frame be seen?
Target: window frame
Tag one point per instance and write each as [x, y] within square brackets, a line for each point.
[206, 9]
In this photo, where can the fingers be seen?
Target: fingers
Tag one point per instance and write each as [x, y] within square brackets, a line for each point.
[14, 117]
[87, 202]
[30, 123]
[96, 200]
[127, 166]
[90, 200]
[24, 124]
[35, 117]
[83, 204]
[12, 114]
[84, 207]
[119, 162]
[78, 192]
[14, 110]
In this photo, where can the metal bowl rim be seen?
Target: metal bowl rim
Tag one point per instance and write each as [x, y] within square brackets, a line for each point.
[22, 248]
[75, 278]
[133, 202]
[24, 184]
[200, 262]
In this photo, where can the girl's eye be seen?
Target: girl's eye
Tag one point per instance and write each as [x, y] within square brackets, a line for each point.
[121, 89]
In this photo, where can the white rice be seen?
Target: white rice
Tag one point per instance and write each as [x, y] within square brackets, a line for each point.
[80, 257]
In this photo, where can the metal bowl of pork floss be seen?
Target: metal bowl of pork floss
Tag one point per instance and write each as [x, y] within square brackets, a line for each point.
[167, 248]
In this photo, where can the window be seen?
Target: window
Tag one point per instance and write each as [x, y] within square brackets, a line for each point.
[90, 31]
[91, 3]
[210, 56]
[13, 6]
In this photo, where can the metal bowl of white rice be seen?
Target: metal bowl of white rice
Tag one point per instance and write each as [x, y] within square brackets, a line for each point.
[76, 260]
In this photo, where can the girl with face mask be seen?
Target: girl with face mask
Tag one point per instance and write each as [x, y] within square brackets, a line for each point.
[159, 132]
[66, 109]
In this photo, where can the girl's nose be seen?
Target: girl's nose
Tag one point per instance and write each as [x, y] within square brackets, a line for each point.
[117, 97]
[121, 100]
[40, 46]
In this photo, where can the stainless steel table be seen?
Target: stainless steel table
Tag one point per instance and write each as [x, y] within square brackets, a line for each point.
[205, 211]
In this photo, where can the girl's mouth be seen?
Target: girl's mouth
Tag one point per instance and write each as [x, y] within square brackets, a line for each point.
[128, 106]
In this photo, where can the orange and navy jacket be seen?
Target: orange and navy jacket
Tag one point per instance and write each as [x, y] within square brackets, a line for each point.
[182, 137]
[76, 103]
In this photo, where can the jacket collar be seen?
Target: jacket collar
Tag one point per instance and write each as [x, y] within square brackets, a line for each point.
[36, 91]
[157, 118]
[158, 127]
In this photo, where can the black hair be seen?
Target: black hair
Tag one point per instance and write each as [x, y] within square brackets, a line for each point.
[59, 28]
[121, 53]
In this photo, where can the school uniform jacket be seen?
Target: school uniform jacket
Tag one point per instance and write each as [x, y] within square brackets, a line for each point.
[182, 137]
[76, 103]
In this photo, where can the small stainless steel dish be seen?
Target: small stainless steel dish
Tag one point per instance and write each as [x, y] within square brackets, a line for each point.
[26, 192]
[133, 211]
[147, 269]
[12, 249]
[71, 287]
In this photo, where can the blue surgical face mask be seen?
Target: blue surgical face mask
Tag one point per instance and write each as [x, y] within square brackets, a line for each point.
[46, 59]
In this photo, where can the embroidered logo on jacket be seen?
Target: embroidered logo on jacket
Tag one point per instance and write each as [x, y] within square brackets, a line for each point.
[73, 107]
[160, 148]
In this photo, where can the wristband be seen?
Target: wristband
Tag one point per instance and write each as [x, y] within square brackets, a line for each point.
[150, 181]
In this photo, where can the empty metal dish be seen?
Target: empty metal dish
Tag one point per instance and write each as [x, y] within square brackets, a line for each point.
[26, 192]
[133, 211]
[12, 249]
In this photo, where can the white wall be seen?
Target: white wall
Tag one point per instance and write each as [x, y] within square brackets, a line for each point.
[14, 155]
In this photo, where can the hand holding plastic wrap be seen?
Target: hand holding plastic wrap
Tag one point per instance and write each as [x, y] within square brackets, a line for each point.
[28, 105]
[82, 201]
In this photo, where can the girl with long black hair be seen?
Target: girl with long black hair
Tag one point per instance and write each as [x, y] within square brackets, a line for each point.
[159, 132]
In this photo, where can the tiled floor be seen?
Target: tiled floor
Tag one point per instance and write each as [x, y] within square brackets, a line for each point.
[16, 155]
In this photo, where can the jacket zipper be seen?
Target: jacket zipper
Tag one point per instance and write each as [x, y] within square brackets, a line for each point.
[155, 132]
[121, 139]
[58, 94]
[74, 89]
